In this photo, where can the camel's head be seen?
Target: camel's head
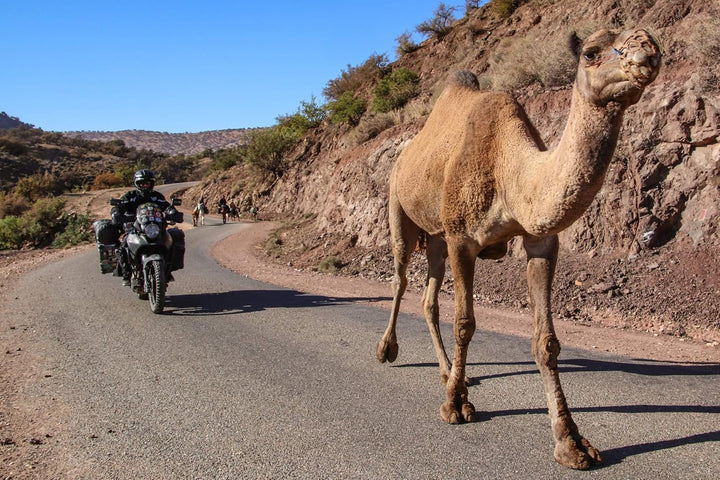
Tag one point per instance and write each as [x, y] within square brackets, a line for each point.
[616, 67]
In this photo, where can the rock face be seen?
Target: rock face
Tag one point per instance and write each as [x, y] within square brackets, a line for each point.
[662, 185]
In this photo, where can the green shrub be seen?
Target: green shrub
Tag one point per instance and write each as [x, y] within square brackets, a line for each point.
[267, 149]
[45, 224]
[347, 109]
[330, 264]
[12, 232]
[78, 230]
[394, 91]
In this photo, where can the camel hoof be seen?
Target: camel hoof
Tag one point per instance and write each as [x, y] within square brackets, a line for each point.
[576, 453]
[387, 351]
[466, 414]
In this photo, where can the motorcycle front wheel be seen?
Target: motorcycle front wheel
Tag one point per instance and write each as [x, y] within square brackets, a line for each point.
[156, 279]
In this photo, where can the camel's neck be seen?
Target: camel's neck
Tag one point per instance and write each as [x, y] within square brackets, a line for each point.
[566, 179]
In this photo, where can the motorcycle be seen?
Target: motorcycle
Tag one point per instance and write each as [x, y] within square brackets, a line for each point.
[224, 210]
[152, 251]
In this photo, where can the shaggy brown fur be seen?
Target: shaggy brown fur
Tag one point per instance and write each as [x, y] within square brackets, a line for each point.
[478, 174]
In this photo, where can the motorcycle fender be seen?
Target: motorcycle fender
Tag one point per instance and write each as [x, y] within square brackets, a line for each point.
[147, 259]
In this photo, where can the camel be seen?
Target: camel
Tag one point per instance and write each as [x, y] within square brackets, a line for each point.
[478, 174]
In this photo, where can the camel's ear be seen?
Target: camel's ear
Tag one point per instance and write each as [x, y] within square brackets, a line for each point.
[575, 44]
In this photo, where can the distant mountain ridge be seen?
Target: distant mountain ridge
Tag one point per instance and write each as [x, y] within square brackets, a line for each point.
[6, 121]
[171, 143]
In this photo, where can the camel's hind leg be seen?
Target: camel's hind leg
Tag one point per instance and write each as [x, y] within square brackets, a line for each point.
[436, 254]
[571, 449]
[403, 235]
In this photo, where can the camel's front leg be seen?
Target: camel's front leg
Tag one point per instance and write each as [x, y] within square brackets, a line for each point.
[457, 408]
[571, 449]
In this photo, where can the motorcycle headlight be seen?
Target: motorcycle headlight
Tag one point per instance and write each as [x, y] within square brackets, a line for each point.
[152, 230]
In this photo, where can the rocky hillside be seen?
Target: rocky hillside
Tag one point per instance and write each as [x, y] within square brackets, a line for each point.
[171, 143]
[660, 199]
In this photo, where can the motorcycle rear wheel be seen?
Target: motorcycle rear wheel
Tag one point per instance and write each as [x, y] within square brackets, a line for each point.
[157, 286]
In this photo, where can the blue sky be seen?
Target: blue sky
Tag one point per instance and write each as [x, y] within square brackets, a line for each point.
[186, 66]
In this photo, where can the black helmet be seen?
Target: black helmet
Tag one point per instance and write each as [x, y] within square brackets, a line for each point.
[144, 181]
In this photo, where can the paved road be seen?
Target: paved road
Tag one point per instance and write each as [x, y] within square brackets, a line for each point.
[240, 379]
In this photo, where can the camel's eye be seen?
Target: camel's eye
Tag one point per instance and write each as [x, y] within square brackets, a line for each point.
[591, 55]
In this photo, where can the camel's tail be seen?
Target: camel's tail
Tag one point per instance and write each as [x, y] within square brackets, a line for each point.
[465, 79]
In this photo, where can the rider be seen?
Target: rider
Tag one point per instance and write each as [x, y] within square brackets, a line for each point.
[222, 203]
[144, 192]
[109, 233]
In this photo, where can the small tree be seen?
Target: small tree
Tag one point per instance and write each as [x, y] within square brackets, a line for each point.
[267, 149]
[439, 25]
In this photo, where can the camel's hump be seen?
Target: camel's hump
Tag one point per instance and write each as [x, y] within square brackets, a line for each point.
[465, 79]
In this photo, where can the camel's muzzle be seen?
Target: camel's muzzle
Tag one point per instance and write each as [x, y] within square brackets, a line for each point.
[641, 58]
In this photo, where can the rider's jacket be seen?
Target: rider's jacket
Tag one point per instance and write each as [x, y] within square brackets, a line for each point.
[125, 212]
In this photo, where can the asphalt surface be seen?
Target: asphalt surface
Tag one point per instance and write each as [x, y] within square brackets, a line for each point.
[240, 379]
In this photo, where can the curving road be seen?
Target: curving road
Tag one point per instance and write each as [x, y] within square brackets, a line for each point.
[240, 379]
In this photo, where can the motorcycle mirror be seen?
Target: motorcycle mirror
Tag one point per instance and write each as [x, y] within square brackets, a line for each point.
[114, 201]
[176, 201]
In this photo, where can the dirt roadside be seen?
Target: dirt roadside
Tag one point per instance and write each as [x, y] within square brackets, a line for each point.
[243, 254]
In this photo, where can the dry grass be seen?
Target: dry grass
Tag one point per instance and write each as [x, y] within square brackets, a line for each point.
[519, 62]
[705, 45]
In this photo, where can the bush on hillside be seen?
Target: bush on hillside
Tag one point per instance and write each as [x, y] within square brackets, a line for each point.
[37, 227]
[13, 205]
[394, 91]
[440, 24]
[405, 44]
[36, 186]
[78, 230]
[267, 149]
[706, 46]
[347, 109]
[355, 78]
[520, 62]
[505, 8]
[309, 115]
[107, 180]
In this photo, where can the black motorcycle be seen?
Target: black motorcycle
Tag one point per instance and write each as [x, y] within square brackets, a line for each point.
[151, 251]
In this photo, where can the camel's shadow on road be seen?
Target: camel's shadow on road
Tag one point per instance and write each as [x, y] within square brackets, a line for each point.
[641, 367]
[245, 301]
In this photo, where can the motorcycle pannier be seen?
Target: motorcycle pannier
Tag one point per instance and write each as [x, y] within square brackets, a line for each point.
[177, 258]
[105, 232]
